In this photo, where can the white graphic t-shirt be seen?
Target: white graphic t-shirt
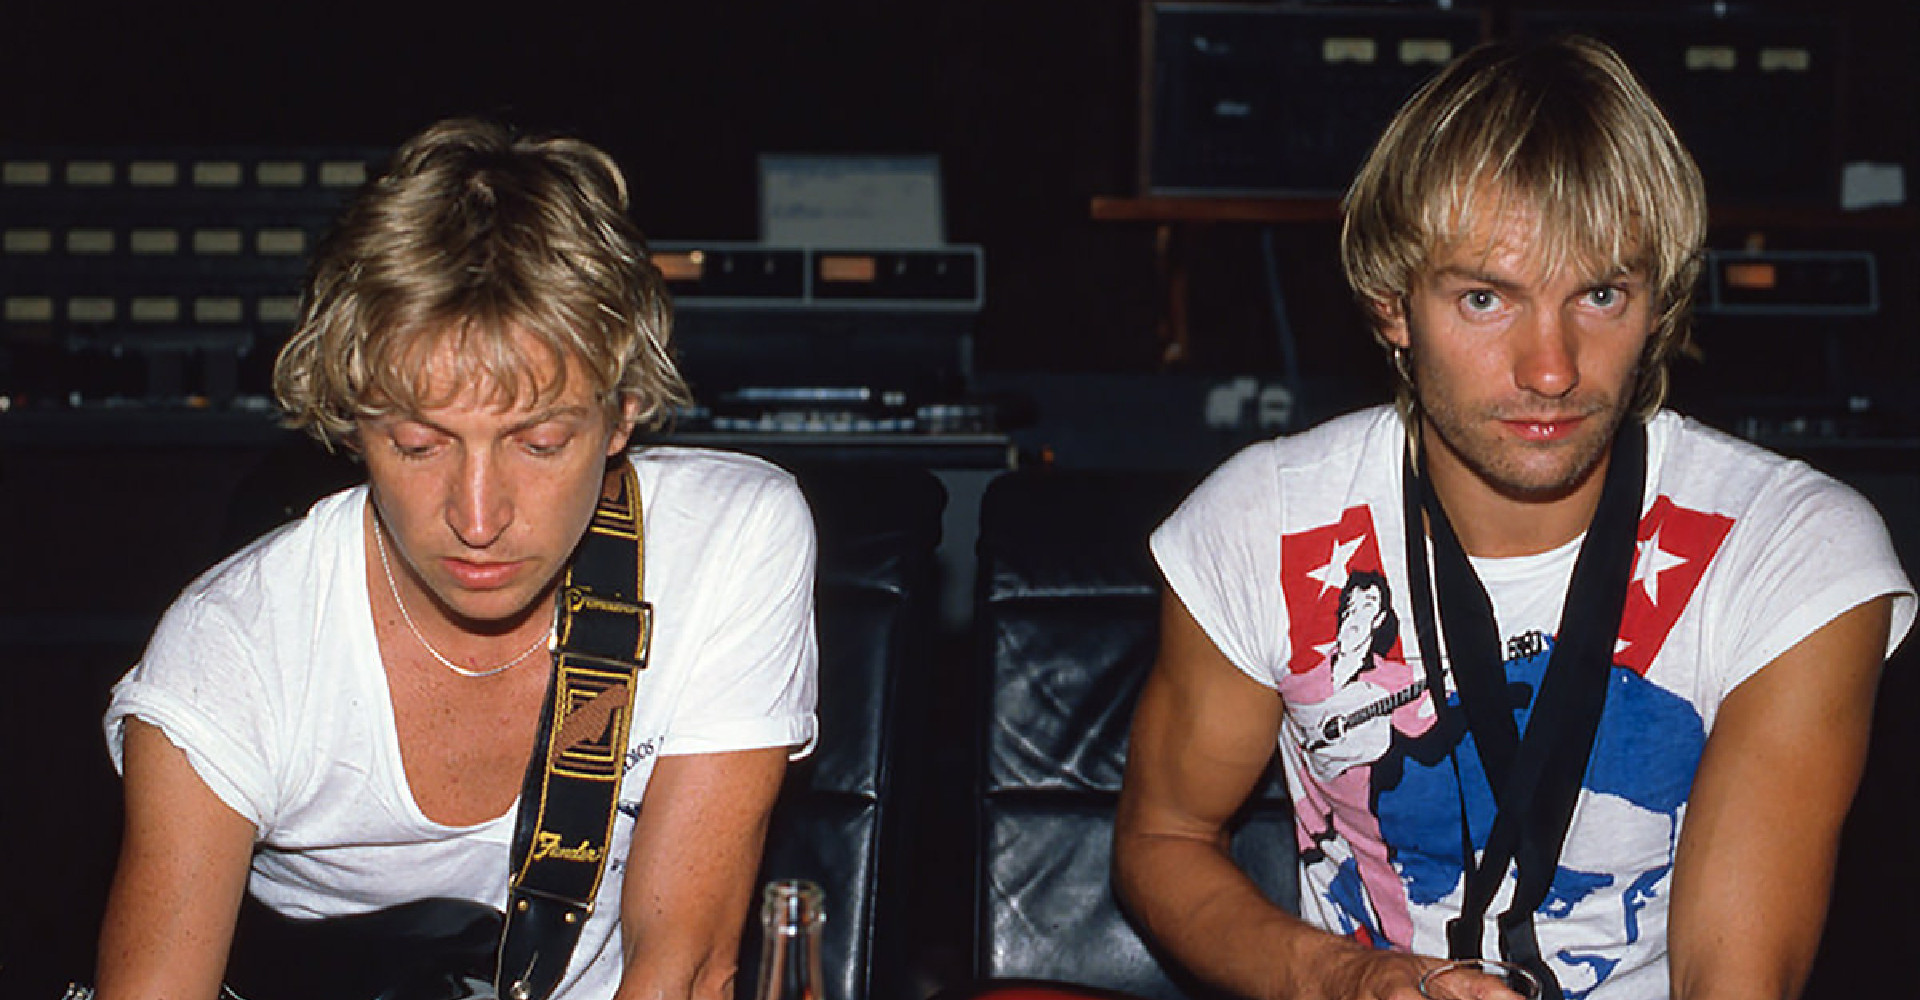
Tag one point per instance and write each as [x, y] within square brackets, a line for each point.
[1292, 558]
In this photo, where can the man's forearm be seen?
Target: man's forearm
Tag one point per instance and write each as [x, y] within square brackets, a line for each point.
[1202, 908]
[709, 976]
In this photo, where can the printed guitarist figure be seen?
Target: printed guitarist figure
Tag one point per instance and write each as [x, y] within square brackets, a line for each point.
[1351, 725]
[1344, 714]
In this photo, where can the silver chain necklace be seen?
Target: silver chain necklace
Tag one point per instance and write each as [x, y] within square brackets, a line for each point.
[380, 542]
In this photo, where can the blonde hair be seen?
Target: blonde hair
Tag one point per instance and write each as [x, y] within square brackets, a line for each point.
[1561, 129]
[496, 251]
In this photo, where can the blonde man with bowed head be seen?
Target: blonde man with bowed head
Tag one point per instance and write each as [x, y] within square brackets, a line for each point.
[338, 718]
[1525, 237]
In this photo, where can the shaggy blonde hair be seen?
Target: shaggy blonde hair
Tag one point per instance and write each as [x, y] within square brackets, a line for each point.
[1561, 130]
[492, 250]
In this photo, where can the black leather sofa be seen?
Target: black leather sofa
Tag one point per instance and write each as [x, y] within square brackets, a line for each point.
[845, 814]
[1067, 624]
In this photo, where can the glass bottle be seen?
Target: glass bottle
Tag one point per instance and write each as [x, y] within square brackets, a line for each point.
[791, 915]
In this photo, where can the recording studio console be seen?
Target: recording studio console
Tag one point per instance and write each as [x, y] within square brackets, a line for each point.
[1793, 346]
[756, 276]
[157, 276]
[812, 340]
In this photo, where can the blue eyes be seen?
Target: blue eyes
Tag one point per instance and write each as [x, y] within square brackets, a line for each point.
[1484, 301]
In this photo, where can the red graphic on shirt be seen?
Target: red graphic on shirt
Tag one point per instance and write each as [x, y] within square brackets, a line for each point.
[1316, 565]
[1671, 553]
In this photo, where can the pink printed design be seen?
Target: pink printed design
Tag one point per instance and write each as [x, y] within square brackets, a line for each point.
[1348, 693]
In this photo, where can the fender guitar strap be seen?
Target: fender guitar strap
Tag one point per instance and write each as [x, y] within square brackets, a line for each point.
[602, 627]
[1536, 777]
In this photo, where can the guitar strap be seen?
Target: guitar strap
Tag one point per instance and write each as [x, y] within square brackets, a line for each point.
[1536, 777]
[602, 626]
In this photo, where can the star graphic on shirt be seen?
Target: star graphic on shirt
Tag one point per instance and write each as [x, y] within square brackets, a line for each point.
[1333, 575]
[1649, 563]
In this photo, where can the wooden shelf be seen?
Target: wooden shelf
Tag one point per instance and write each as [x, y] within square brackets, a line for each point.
[1900, 219]
[1109, 208]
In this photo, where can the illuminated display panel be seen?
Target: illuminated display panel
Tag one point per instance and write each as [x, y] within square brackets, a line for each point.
[841, 267]
[1752, 275]
[686, 265]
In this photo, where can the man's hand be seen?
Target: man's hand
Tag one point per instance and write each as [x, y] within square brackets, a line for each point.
[1475, 979]
[1367, 974]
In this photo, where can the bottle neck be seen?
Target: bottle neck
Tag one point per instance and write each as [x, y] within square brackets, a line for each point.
[790, 922]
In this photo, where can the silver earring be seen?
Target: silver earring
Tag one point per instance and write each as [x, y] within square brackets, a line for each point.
[1399, 358]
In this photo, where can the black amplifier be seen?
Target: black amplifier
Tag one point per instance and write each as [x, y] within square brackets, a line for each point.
[1790, 283]
[1794, 347]
[1279, 99]
[729, 275]
[753, 317]
[1754, 95]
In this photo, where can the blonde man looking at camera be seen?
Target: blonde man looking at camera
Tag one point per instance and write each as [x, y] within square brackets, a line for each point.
[1525, 238]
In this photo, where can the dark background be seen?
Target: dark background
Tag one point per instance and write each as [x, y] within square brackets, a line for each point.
[1032, 108]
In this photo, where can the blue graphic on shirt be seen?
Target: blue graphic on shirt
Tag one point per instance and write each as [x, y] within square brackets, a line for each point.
[1569, 887]
[1599, 967]
[1645, 752]
[1349, 894]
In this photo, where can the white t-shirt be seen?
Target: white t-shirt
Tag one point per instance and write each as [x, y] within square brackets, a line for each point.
[266, 672]
[1740, 555]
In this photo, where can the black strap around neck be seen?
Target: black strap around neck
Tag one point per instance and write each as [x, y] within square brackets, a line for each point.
[1536, 777]
[602, 628]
